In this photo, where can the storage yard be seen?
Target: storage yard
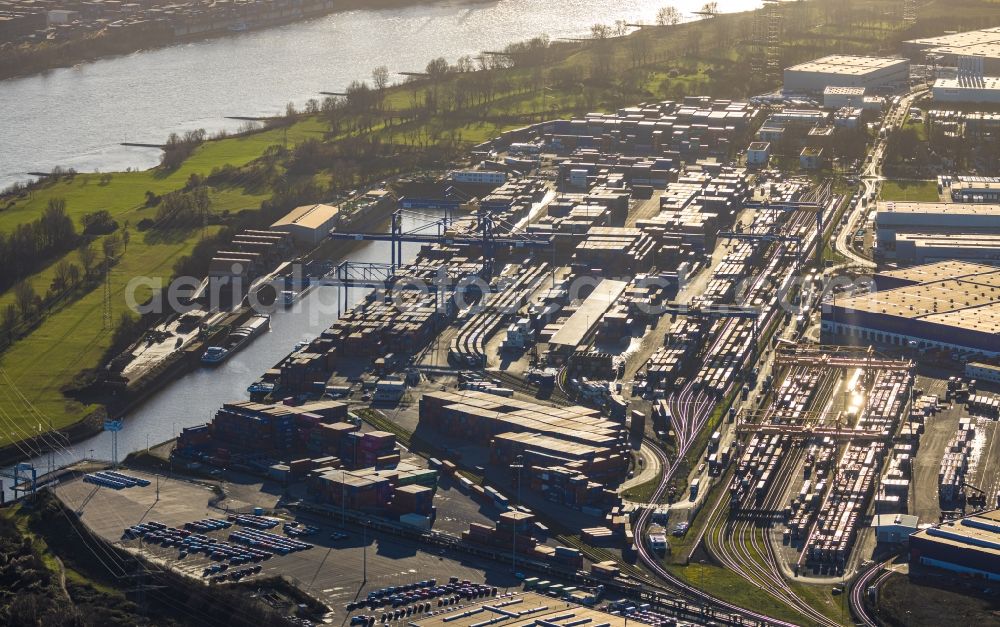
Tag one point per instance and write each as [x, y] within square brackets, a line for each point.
[595, 297]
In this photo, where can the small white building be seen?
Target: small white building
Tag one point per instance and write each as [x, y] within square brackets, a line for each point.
[982, 372]
[309, 224]
[389, 390]
[519, 335]
[894, 528]
[489, 177]
[835, 97]
[758, 154]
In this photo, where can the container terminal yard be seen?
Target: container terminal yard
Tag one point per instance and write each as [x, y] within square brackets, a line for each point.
[621, 349]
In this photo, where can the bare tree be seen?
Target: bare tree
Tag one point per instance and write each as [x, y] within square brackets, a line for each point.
[61, 280]
[10, 320]
[87, 258]
[668, 16]
[24, 296]
[600, 31]
[620, 28]
[380, 79]
[710, 9]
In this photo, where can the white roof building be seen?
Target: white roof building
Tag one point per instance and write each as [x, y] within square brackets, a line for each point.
[309, 224]
[847, 71]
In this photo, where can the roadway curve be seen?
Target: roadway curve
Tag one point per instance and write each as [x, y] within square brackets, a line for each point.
[872, 177]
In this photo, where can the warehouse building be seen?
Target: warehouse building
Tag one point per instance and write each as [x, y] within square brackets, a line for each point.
[950, 306]
[975, 189]
[309, 224]
[985, 89]
[894, 528]
[948, 49]
[835, 97]
[982, 372]
[969, 546]
[921, 232]
[587, 317]
[872, 73]
[479, 416]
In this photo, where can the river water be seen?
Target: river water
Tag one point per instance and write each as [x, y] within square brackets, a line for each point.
[77, 117]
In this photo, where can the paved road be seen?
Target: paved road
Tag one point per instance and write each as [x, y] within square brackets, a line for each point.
[872, 179]
[651, 468]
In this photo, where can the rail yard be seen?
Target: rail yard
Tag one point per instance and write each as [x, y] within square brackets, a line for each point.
[609, 362]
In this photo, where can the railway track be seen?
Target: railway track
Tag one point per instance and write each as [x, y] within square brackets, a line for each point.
[872, 577]
[691, 412]
[743, 545]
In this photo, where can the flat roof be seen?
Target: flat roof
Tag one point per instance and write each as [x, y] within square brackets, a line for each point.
[572, 332]
[985, 42]
[522, 609]
[985, 83]
[848, 64]
[832, 90]
[901, 520]
[938, 208]
[949, 269]
[978, 532]
[971, 302]
[308, 216]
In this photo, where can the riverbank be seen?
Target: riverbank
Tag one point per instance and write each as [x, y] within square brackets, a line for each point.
[316, 157]
[28, 60]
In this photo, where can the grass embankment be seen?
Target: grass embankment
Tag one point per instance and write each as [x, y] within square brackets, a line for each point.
[916, 191]
[73, 337]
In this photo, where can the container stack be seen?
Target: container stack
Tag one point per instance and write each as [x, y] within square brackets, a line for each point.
[955, 461]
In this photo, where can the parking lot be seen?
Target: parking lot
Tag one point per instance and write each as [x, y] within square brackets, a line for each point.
[335, 571]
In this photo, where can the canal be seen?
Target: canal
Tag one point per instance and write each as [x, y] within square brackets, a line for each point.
[193, 398]
[77, 117]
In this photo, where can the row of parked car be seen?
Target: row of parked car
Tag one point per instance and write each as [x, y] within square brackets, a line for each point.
[236, 575]
[188, 542]
[421, 592]
[206, 525]
[451, 594]
[268, 541]
[254, 521]
[296, 530]
[114, 480]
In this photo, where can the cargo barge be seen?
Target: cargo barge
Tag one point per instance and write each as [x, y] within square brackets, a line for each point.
[236, 340]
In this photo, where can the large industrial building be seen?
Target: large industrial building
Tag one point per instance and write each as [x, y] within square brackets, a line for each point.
[921, 232]
[948, 49]
[309, 224]
[969, 546]
[872, 73]
[969, 85]
[985, 89]
[949, 306]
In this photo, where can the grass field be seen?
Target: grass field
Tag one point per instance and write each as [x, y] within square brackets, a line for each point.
[73, 338]
[924, 191]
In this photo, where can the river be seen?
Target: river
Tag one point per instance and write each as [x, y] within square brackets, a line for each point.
[77, 117]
